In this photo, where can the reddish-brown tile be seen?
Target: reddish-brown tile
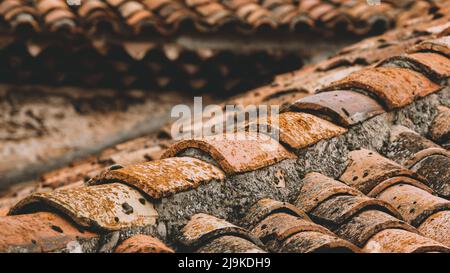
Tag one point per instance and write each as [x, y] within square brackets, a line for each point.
[236, 153]
[202, 228]
[388, 84]
[368, 223]
[401, 241]
[343, 107]
[398, 180]
[278, 227]
[322, 188]
[299, 130]
[143, 244]
[440, 45]
[440, 128]
[436, 169]
[265, 207]
[338, 209]
[437, 227]
[366, 169]
[164, 177]
[230, 244]
[315, 242]
[107, 207]
[435, 66]
[38, 232]
[414, 204]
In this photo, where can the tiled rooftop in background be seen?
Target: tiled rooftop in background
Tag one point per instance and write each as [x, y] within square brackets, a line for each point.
[343, 179]
[129, 18]
[188, 45]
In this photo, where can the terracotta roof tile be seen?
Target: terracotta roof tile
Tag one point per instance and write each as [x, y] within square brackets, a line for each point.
[168, 16]
[398, 180]
[437, 227]
[352, 219]
[343, 107]
[440, 128]
[310, 241]
[322, 188]
[401, 241]
[236, 153]
[78, 171]
[368, 52]
[422, 156]
[435, 66]
[274, 223]
[373, 224]
[414, 204]
[107, 207]
[230, 244]
[387, 85]
[299, 130]
[440, 45]
[38, 232]
[436, 168]
[367, 169]
[151, 177]
[339, 209]
[266, 207]
[278, 227]
[364, 225]
[203, 228]
[405, 144]
[143, 244]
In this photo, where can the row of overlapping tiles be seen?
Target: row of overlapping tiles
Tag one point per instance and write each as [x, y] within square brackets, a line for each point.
[168, 16]
[107, 62]
[110, 204]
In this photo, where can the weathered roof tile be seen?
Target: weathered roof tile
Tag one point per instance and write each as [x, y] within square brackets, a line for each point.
[366, 169]
[266, 207]
[368, 223]
[387, 84]
[321, 188]
[440, 45]
[440, 128]
[106, 207]
[436, 169]
[437, 227]
[343, 107]
[161, 178]
[435, 66]
[276, 228]
[316, 242]
[401, 241]
[236, 153]
[336, 210]
[38, 232]
[414, 204]
[202, 228]
[143, 244]
[299, 130]
[230, 244]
